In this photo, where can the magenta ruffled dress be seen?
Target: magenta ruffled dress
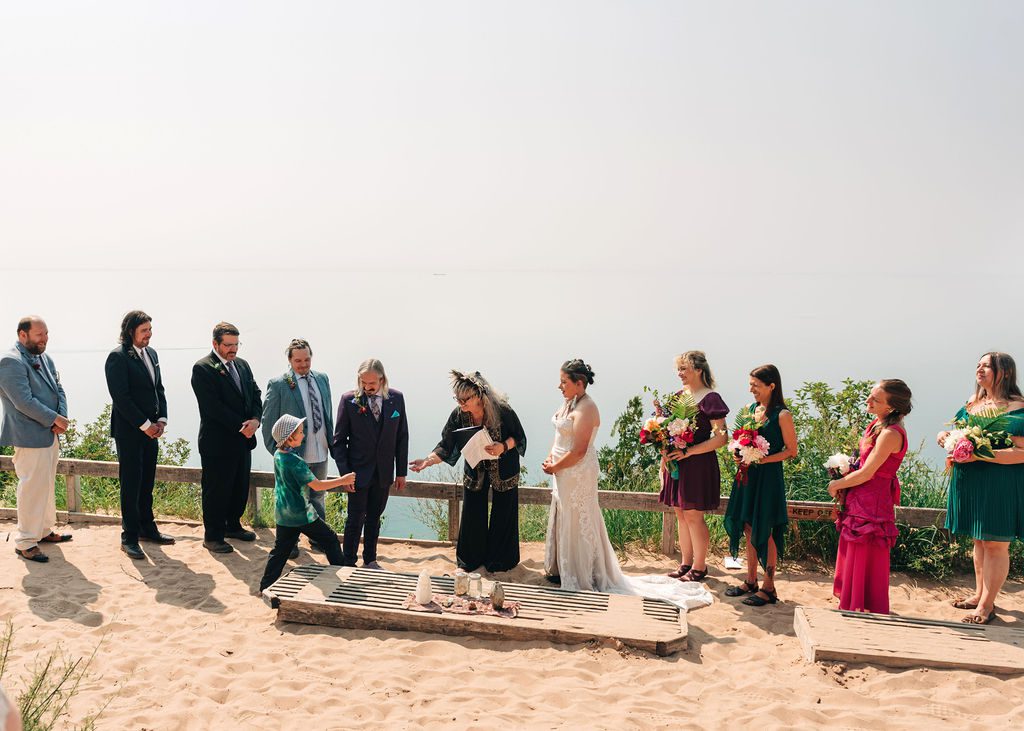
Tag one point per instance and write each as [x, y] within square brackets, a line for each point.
[867, 532]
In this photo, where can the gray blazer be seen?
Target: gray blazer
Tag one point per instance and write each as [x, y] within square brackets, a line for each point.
[281, 399]
[31, 399]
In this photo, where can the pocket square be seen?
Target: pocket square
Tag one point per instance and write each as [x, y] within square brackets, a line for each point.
[395, 414]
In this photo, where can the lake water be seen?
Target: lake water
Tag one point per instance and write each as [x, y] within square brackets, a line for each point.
[516, 328]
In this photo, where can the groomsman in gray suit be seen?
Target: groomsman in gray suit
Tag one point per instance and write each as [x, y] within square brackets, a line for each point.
[35, 413]
[305, 393]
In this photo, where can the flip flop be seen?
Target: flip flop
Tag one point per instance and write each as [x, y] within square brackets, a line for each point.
[978, 619]
[964, 604]
[57, 537]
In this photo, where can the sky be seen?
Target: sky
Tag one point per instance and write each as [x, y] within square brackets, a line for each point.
[837, 188]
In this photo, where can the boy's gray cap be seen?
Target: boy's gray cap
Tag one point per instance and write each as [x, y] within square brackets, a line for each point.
[284, 428]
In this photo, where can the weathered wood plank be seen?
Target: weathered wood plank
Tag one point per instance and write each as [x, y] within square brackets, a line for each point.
[361, 599]
[828, 635]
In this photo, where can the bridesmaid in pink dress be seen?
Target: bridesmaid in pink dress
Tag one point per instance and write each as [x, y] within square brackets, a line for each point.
[867, 518]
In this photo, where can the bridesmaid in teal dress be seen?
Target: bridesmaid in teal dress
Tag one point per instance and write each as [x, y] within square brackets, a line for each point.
[986, 498]
[758, 508]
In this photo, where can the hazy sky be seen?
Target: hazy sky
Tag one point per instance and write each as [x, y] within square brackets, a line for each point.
[836, 188]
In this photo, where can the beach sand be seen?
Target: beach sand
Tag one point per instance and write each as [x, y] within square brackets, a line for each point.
[184, 644]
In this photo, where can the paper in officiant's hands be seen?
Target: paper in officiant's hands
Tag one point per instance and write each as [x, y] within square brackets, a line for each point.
[474, 451]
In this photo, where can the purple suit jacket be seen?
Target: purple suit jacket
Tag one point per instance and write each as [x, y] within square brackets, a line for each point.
[364, 445]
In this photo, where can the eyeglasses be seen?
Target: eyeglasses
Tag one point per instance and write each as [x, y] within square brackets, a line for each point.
[463, 401]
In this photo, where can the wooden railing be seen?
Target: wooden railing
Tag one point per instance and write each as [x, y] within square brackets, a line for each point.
[75, 469]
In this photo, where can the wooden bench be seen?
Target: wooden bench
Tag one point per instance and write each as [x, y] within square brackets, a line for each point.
[358, 598]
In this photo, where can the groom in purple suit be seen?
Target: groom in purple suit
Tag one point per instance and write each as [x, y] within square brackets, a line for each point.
[371, 438]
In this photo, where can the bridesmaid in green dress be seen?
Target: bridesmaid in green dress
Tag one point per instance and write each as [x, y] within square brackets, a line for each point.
[758, 508]
[986, 498]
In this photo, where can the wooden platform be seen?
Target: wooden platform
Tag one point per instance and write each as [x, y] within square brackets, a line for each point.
[907, 642]
[366, 599]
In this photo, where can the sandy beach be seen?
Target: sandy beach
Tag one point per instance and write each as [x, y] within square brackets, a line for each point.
[184, 644]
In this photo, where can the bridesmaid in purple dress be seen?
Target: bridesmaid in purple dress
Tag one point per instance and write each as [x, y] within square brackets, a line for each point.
[698, 487]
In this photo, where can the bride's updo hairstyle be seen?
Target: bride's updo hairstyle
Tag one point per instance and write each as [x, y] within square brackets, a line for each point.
[578, 371]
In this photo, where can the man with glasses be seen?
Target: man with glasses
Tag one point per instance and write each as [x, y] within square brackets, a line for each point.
[229, 415]
[300, 391]
[371, 438]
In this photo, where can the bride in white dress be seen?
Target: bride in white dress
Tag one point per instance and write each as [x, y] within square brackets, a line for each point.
[577, 550]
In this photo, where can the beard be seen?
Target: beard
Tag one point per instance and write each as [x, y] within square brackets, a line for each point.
[35, 348]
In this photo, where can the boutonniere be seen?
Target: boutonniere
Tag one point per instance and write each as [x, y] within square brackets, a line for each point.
[132, 353]
[219, 367]
[360, 402]
[36, 365]
[290, 380]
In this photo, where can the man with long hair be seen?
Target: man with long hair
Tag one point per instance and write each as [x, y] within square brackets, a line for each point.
[137, 421]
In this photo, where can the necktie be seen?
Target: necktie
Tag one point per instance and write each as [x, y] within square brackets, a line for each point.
[314, 404]
[234, 375]
[149, 365]
[375, 407]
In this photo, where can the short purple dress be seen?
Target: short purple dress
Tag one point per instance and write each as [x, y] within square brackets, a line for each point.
[699, 486]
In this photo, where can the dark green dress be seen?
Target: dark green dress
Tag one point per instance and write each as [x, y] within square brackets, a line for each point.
[986, 500]
[761, 503]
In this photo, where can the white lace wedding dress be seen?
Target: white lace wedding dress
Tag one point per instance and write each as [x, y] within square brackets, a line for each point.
[577, 548]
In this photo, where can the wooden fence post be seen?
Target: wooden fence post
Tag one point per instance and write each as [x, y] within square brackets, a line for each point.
[254, 503]
[668, 533]
[73, 486]
[453, 518]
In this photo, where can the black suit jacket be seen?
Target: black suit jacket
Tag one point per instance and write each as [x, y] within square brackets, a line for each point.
[222, 407]
[136, 398]
[364, 445]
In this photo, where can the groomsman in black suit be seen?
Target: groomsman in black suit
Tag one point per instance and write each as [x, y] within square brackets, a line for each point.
[137, 420]
[371, 438]
[229, 415]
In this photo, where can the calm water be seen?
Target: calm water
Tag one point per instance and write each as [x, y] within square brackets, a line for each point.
[516, 328]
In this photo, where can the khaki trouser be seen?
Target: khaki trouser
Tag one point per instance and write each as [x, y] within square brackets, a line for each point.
[37, 510]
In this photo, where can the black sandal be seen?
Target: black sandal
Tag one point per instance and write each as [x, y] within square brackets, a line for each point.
[694, 575]
[683, 570]
[747, 587]
[756, 601]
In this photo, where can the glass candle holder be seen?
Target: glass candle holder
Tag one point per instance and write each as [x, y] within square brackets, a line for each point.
[476, 586]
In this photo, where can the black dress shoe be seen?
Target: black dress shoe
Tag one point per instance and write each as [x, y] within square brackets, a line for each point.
[157, 537]
[294, 553]
[134, 550]
[217, 547]
[240, 535]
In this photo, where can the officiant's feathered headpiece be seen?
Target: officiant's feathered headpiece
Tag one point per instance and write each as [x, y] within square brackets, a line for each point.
[464, 384]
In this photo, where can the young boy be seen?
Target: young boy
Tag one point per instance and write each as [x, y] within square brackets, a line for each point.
[293, 512]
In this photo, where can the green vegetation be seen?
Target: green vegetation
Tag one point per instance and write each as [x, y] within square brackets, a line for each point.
[46, 693]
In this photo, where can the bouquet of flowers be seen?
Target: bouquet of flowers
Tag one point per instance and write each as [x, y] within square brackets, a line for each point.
[839, 464]
[977, 436]
[673, 424]
[746, 443]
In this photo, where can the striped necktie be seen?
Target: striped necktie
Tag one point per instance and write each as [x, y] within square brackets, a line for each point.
[314, 404]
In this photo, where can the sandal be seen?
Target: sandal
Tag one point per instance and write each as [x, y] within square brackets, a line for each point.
[747, 587]
[756, 601]
[978, 619]
[32, 554]
[694, 575]
[684, 568]
[57, 537]
[964, 604]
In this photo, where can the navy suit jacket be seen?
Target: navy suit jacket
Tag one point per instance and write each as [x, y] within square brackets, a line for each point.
[364, 445]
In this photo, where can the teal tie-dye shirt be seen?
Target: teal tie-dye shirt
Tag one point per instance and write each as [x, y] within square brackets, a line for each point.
[291, 490]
